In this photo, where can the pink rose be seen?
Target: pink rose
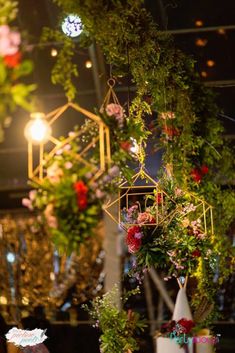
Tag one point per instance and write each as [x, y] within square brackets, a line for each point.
[116, 110]
[145, 218]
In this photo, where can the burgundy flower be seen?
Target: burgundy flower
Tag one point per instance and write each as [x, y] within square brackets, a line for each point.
[196, 253]
[12, 60]
[204, 169]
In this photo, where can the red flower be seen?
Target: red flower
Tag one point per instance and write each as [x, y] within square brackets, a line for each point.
[196, 253]
[133, 239]
[12, 60]
[186, 324]
[170, 131]
[159, 198]
[204, 169]
[81, 191]
[125, 145]
[196, 175]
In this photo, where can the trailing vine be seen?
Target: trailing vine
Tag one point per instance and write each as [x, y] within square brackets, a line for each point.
[187, 127]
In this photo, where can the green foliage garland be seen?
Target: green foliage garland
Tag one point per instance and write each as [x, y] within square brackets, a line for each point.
[194, 138]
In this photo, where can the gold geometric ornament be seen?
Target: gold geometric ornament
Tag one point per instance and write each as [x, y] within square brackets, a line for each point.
[137, 192]
[111, 96]
[36, 168]
[141, 186]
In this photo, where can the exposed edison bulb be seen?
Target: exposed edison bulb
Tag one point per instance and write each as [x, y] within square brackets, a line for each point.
[54, 52]
[37, 130]
[88, 64]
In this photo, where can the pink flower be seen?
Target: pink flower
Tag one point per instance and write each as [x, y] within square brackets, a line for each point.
[116, 110]
[99, 194]
[9, 41]
[67, 147]
[32, 195]
[27, 203]
[54, 173]
[68, 165]
[145, 218]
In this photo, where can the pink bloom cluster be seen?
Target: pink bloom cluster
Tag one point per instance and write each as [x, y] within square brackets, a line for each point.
[28, 202]
[195, 227]
[9, 41]
[116, 111]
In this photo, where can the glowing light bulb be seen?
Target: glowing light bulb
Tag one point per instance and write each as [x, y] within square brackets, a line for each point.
[88, 64]
[11, 257]
[72, 26]
[54, 52]
[204, 74]
[210, 63]
[37, 130]
[3, 300]
[200, 42]
[198, 23]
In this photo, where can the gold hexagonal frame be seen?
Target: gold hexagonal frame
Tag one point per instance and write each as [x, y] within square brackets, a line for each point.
[36, 173]
[148, 186]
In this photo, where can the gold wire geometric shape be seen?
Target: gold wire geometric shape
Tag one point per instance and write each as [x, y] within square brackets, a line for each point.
[143, 185]
[111, 96]
[36, 173]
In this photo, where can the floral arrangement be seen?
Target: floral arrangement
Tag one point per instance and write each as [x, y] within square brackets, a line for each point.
[179, 331]
[117, 326]
[125, 137]
[167, 233]
[69, 201]
[179, 327]
[12, 68]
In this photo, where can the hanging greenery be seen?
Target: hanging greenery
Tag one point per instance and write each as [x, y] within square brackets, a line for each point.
[187, 128]
[13, 68]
